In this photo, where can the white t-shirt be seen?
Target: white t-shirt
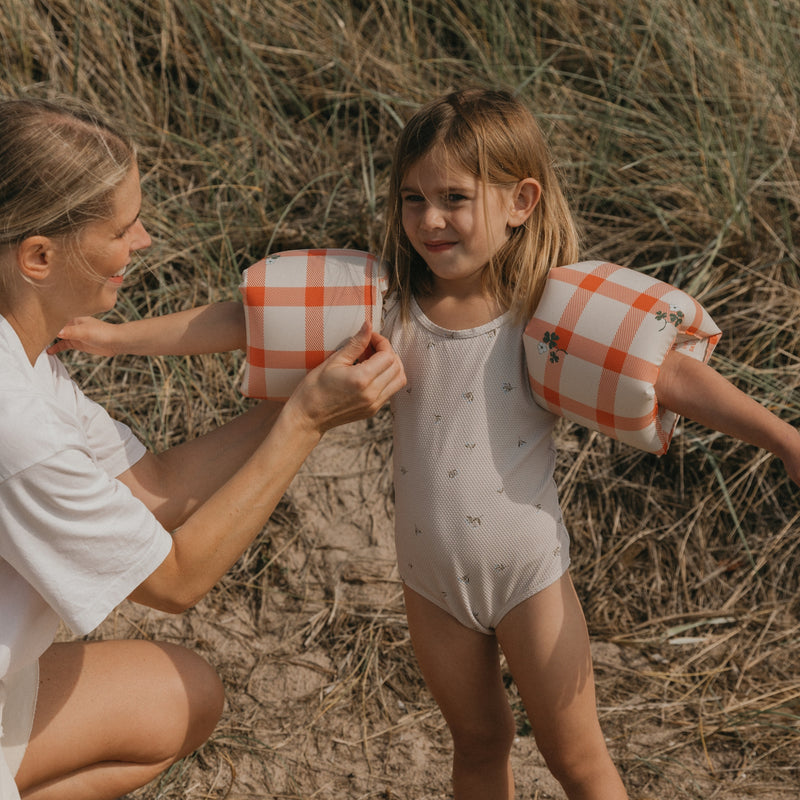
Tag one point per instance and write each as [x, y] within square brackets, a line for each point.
[74, 541]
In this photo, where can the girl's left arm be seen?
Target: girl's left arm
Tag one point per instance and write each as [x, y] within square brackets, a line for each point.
[696, 391]
[215, 328]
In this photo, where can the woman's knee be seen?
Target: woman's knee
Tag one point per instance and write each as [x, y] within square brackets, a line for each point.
[197, 684]
[123, 702]
[175, 697]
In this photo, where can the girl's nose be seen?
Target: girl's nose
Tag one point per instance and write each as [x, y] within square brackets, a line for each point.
[432, 218]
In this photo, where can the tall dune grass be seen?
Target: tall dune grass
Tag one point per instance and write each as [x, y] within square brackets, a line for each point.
[266, 126]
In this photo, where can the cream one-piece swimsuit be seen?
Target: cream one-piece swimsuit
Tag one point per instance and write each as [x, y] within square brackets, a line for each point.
[478, 527]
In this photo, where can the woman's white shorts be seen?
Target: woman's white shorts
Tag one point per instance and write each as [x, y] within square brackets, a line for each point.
[17, 705]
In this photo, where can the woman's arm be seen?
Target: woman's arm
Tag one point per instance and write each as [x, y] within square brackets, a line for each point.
[222, 488]
[696, 391]
[215, 328]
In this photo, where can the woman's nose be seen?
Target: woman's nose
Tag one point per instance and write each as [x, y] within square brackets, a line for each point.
[141, 238]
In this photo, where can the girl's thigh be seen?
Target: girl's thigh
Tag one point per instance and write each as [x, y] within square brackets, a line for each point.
[461, 668]
[546, 644]
[118, 701]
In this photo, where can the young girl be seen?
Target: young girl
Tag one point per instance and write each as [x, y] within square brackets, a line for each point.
[476, 220]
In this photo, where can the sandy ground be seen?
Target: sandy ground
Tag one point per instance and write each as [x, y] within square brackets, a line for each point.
[323, 697]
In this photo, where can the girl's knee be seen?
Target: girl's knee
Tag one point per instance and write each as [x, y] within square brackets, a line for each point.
[579, 767]
[486, 744]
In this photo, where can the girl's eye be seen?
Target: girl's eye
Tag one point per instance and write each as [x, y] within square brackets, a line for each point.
[455, 197]
[412, 198]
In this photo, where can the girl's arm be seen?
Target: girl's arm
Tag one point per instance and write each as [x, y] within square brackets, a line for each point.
[214, 328]
[696, 391]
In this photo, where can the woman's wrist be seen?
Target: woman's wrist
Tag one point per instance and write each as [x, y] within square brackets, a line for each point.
[299, 424]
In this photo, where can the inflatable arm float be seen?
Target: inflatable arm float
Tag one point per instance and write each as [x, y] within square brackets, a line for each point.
[593, 348]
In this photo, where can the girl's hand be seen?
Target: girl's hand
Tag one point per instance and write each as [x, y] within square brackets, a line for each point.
[87, 334]
[343, 388]
[791, 457]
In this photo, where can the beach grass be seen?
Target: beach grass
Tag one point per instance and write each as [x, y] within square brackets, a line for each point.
[264, 127]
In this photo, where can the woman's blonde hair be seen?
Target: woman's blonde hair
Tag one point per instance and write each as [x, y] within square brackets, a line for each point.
[59, 167]
[493, 136]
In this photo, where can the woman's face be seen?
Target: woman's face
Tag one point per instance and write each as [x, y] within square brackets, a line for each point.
[105, 248]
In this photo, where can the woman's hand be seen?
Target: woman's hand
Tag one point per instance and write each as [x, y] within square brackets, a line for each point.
[87, 334]
[344, 389]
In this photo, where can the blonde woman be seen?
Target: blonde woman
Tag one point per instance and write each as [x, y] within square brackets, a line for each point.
[88, 517]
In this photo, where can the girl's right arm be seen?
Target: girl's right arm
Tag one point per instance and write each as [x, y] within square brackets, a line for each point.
[214, 328]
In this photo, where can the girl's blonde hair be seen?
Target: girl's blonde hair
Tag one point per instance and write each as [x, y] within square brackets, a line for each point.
[59, 167]
[493, 136]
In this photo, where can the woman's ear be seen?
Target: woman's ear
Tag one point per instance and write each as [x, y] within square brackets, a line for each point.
[525, 198]
[35, 256]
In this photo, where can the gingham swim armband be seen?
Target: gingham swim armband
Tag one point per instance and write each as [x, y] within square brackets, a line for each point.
[300, 306]
[596, 344]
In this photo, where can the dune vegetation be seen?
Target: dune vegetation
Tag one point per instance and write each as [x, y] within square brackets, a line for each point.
[269, 126]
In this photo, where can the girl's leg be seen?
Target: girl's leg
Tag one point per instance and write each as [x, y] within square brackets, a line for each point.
[112, 715]
[462, 670]
[546, 644]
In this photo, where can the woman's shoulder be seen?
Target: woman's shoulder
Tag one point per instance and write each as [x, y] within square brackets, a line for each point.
[36, 415]
[27, 433]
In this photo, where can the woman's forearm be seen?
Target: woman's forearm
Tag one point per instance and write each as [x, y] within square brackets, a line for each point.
[173, 484]
[222, 487]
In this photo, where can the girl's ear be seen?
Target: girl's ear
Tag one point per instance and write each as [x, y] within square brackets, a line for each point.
[35, 257]
[526, 196]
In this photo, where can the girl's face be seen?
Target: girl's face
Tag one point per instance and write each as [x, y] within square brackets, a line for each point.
[105, 248]
[454, 221]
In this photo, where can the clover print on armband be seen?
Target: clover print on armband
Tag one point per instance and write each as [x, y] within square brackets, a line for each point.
[550, 343]
[673, 317]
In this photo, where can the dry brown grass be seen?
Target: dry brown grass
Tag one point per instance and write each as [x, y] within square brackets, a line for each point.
[267, 126]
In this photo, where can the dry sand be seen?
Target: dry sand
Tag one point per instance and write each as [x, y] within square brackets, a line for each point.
[323, 697]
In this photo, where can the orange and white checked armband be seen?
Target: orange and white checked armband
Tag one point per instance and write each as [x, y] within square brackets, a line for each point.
[596, 343]
[300, 306]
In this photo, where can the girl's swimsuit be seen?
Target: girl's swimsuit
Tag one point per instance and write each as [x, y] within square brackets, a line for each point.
[478, 526]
